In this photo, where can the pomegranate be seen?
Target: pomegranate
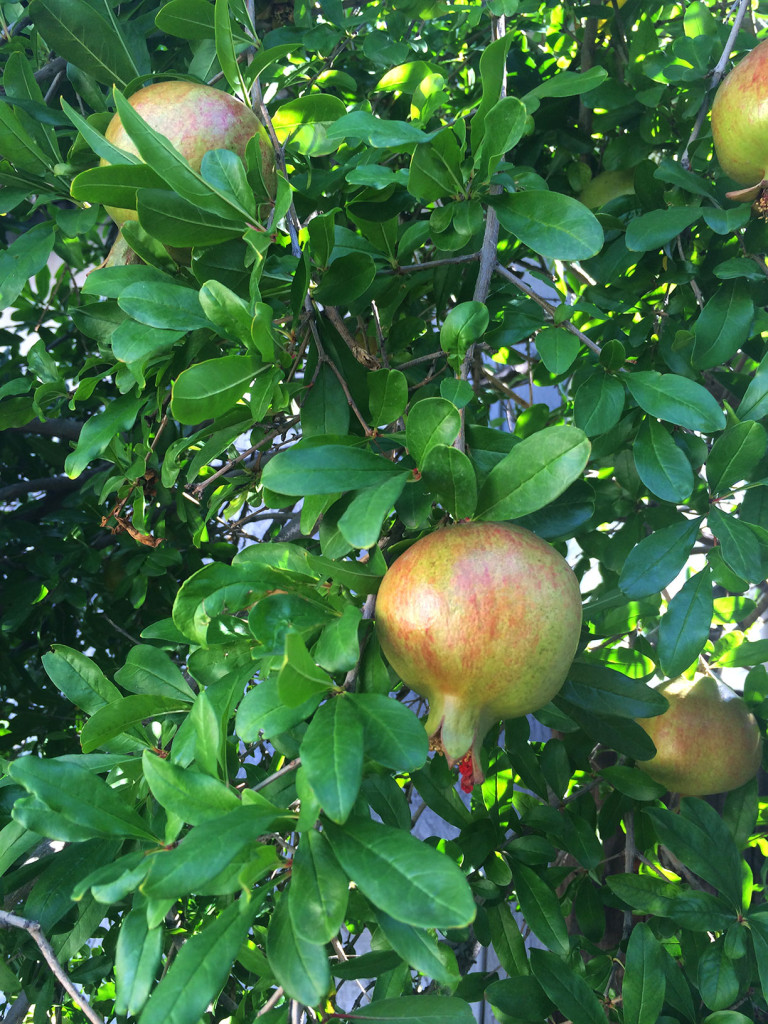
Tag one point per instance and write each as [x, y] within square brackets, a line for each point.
[740, 123]
[707, 741]
[195, 119]
[483, 620]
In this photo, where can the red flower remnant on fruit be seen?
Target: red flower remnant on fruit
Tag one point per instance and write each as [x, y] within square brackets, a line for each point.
[466, 772]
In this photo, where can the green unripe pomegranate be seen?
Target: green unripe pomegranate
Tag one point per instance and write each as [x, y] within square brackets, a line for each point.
[195, 119]
[482, 619]
[706, 742]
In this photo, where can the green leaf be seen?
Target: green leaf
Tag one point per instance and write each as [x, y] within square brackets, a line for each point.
[325, 469]
[300, 678]
[569, 83]
[187, 19]
[303, 123]
[22, 260]
[463, 326]
[688, 908]
[89, 36]
[173, 220]
[420, 949]
[520, 997]
[432, 421]
[449, 473]
[262, 711]
[657, 559]
[387, 396]
[435, 170]
[700, 838]
[319, 890]
[597, 688]
[684, 629]
[740, 545]
[553, 225]
[79, 679]
[121, 715]
[332, 757]
[300, 967]
[660, 464]
[676, 399]
[338, 649]
[503, 128]
[376, 131]
[137, 957]
[754, 404]
[205, 851]
[225, 44]
[80, 797]
[541, 909]
[201, 967]
[114, 184]
[401, 875]
[558, 348]
[534, 473]
[718, 977]
[723, 325]
[644, 977]
[360, 523]
[598, 404]
[734, 455]
[653, 230]
[568, 991]
[166, 305]
[325, 409]
[100, 430]
[150, 670]
[210, 389]
[347, 278]
[493, 70]
[191, 795]
[394, 736]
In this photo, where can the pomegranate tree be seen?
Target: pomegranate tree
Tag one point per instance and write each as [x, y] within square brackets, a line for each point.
[706, 742]
[195, 119]
[740, 123]
[483, 620]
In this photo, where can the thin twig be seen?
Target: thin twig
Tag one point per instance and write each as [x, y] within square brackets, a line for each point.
[546, 306]
[33, 929]
[290, 767]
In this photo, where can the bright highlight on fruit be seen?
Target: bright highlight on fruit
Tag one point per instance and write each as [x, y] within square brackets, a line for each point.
[707, 741]
[740, 123]
[195, 119]
[482, 619]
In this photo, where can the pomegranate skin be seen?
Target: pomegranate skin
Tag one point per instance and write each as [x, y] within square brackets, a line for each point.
[707, 741]
[482, 619]
[740, 119]
[195, 119]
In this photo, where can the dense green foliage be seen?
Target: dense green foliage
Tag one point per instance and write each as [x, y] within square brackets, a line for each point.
[212, 450]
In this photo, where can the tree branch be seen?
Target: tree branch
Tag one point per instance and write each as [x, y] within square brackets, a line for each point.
[546, 306]
[33, 929]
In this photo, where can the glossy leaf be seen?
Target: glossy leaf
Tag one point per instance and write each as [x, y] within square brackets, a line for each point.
[361, 521]
[553, 225]
[735, 454]
[431, 422]
[676, 399]
[661, 465]
[655, 229]
[406, 879]
[449, 473]
[684, 629]
[325, 469]
[317, 896]
[394, 736]
[644, 978]
[534, 473]
[566, 989]
[332, 757]
[657, 559]
[200, 968]
[723, 325]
